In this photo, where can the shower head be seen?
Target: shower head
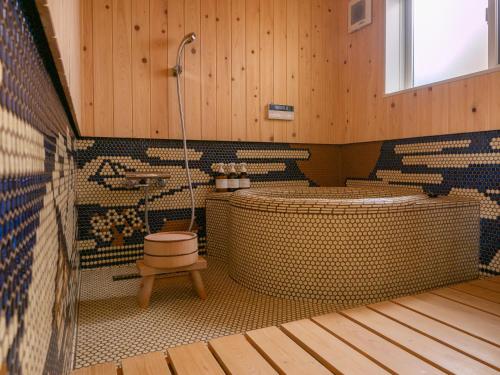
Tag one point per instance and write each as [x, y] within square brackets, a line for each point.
[189, 38]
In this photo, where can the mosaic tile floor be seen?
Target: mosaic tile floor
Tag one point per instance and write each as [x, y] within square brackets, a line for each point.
[111, 326]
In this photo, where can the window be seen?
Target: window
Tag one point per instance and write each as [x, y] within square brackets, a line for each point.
[433, 40]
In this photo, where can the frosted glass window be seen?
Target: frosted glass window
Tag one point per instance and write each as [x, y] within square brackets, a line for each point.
[450, 39]
[429, 41]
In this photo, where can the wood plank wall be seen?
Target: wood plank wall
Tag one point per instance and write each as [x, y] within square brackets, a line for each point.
[364, 113]
[248, 54]
[61, 20]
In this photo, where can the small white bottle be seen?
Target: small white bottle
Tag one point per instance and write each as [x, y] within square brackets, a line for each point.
[243, 177]
[233, 183]
[220, 179]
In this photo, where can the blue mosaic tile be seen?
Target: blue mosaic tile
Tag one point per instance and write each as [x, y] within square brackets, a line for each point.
[37, 226]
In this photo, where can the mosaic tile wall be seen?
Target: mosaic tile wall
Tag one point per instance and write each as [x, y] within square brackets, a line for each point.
[111, 215]
[37, 217]
[461, 164]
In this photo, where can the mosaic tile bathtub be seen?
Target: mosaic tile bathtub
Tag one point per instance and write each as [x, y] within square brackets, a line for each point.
[111, 216]
[460, 164]
[38, 280]
[350, 246]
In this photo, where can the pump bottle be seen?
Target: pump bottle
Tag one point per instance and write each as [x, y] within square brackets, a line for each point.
[244, 180]
[233, 182]
[221, 179]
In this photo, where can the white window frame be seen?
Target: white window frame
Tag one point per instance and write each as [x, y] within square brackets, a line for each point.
[399, 28]
[493, 18]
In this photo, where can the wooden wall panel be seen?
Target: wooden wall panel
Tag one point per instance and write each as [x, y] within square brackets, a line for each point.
[141, 68]
[87, 57]
[238, 66]
[122, 67]
[103, 67]
[318, 71]
[248, 53]
[224, 71]
[342, 73]
[440, 119]
[324, 166]
[305, 72]
[266, 68]
[358, 160]
[115, 58]
[193, 71]
[63, 27]
[158, 27]
[481, 112]
[292, 66]
[75, 59]
[423, 115]
[280, 58]
[329, 63]
[252, 44]
[494, 100]
[463, 105]
[208, 45]
[176, 32]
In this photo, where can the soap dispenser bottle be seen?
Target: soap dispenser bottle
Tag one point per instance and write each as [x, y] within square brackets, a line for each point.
[220, 179]
[244, 180]
[232, 178]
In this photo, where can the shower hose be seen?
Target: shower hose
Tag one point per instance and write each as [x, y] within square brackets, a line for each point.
[177, 72]
[186, 165]
[184, 145]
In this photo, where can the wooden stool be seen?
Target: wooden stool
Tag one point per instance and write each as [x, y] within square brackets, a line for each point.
[149, 274]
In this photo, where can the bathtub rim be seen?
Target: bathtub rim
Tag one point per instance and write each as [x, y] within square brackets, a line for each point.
[273, 199]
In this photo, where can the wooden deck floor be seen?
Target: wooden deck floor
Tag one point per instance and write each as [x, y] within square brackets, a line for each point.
[450, 330]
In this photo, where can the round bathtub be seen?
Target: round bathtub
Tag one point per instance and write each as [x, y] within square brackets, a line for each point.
[350, 245]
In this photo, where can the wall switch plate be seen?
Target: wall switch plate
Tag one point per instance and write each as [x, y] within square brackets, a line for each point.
[280, 112]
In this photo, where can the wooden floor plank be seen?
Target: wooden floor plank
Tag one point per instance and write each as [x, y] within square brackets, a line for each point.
[486, 284]
[440, 355]
[194, 359]
[468, 319]
[332, 352]
[469, 300]
[375, 347]
[146, 364]
[450, 330]
[237, 356]
[100, 369]
[452, 337]
[285, 355]
[477, 291]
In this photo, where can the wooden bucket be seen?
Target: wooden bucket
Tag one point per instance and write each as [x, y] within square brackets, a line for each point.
[170, 249]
